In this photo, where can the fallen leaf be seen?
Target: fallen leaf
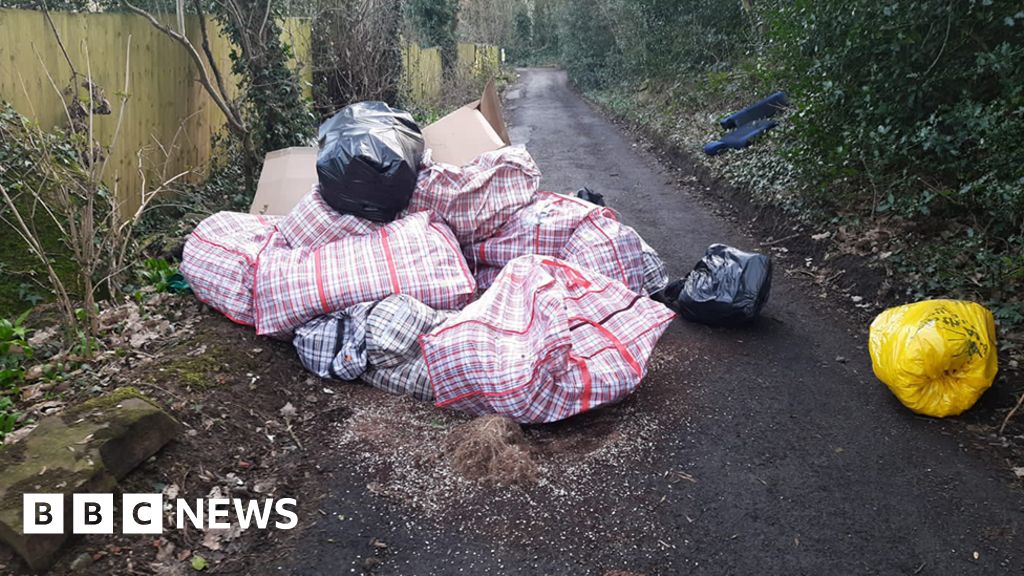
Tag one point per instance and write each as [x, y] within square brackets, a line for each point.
[165, 551]
[265, 485]
[171, 491]
[214, 539]
[18, 434]
[198, 563]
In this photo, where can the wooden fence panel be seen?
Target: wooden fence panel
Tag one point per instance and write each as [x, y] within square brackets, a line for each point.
[421, 74]
[169, 119]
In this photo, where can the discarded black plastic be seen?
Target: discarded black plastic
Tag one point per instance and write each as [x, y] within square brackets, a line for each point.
[727, 287]
[591, 196]
[368, 161]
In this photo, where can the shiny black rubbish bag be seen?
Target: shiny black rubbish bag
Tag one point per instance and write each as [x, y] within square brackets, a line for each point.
[368, 160]
[727, 287]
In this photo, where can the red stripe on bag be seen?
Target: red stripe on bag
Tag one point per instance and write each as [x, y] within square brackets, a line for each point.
[320, 281]
[626, 355]
[244, 256]
[391, 261]
[587, 382]
[577, 278]
[470, 281]
[494, 393]
[638, 337]
[615, 250]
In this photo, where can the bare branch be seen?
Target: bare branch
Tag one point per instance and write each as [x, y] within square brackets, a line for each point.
[60, 43]
[209, 57]
[120, 113]
[179, 6]
[67, 112]
[234, 122]
[266, 17]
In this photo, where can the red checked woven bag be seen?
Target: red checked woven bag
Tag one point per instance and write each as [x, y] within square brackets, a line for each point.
[548, 340]
[220, 260]
[415, 255]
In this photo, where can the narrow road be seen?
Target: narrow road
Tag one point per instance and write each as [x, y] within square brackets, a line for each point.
[762, 451]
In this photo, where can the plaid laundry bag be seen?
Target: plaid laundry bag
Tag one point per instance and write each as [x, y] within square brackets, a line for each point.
[567, 228]
[655, 274]
[393, 349]
[414, 255]
[220, 261]
[547, 341]
[313, 223]
[334, 346]
[475, 200]
[543, 227]
[602, 244]
[377, 341]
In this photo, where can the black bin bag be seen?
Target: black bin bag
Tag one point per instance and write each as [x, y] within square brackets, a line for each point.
[727, 287]
[368, 160]
[591, 196]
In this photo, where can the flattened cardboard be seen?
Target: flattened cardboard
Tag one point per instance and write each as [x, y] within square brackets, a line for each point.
[288, 175]
[490, 107]
[466, 133]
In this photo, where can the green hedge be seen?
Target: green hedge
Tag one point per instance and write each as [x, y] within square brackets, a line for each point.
[925, 99]
[911, 110]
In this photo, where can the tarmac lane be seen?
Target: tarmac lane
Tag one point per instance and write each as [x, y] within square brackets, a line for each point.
[767, 449]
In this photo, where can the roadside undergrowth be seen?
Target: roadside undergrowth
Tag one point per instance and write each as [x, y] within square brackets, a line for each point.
[899, 259]
[917, 259]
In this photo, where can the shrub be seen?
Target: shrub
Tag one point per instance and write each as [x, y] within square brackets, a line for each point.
[14, 351]
[919, 98]
[433, 23]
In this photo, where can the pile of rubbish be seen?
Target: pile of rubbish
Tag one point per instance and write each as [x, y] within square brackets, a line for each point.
[465, 285]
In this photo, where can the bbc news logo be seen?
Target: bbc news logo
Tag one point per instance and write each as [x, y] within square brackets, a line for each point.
[144, 513]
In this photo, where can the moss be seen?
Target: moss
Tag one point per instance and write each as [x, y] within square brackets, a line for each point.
[108, 400]
[25, 155]
[198, 371]
[20, 270]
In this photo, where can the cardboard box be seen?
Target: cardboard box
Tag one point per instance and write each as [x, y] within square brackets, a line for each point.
[288, 175]
[466, 133]
[457, 138]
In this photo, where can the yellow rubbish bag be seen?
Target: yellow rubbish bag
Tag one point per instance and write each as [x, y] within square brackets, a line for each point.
[937, 356]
